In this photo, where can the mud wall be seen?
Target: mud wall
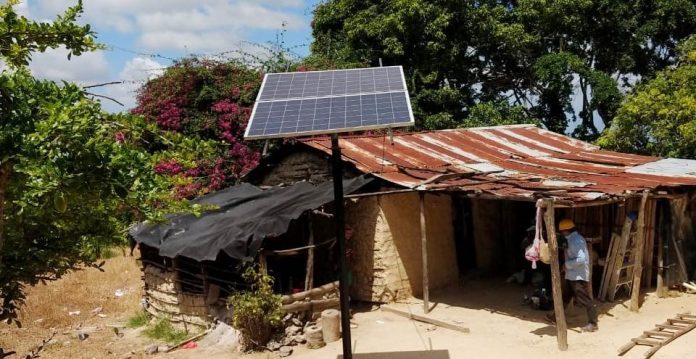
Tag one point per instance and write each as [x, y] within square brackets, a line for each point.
[165, 300]
[386, 257]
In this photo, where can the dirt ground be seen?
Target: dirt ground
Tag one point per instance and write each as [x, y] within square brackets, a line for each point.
[500, 325]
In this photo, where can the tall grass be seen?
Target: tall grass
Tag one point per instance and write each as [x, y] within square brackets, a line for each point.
[162, 329]
[139, 320]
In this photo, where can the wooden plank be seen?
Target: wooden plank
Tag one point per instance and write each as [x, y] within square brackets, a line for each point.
[561, 325]
[669, 326]
[656, 333]
[681, 321]
[643, 341]
[424, 253]
[687, 316]
[424, 319]
[638, 259]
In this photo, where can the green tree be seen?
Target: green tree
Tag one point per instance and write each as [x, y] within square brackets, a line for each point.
[536, 54]
[71, 176]
[659, 118]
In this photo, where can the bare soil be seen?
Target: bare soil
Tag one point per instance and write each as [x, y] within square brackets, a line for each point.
[500, 325]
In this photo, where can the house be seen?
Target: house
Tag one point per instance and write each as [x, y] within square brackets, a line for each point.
[451, 202]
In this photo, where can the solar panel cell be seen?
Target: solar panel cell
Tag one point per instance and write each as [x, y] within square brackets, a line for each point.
[303, 103]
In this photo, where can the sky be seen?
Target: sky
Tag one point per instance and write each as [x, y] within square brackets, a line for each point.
[144, 36]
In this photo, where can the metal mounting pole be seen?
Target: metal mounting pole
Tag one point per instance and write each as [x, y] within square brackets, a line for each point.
[337, 169]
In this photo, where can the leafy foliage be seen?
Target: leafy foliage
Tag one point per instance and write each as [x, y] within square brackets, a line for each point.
[256, 312]
[535, 54]
[659, 118]
[19, 36]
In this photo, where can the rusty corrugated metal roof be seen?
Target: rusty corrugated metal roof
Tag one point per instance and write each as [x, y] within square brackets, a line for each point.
[520, 161]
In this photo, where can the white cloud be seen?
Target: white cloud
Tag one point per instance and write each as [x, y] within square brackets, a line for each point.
[53, 64]
[189, 40]
[178, 24]
[134, 74]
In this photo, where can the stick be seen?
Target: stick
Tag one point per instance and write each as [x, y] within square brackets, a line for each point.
[425, 319]
[197, 336]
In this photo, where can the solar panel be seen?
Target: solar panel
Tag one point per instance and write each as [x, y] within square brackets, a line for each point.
[304, 103]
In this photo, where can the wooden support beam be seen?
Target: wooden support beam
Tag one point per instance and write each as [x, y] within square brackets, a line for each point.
[556, 280]
[661, 288]
[638, 259]
[424, 252]
[309, 272]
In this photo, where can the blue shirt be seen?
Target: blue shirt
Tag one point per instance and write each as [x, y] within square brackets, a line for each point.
[577, 260]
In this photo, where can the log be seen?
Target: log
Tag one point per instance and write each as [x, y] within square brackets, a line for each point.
[312, 305]
[561, 325]
[638, 259]
[314, 292]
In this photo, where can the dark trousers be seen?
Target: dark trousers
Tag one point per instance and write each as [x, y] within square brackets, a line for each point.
[581, 291]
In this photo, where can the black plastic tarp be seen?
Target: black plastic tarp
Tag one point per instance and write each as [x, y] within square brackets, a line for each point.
[246, 215]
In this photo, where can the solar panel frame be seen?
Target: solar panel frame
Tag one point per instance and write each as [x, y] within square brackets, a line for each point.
[352, 106]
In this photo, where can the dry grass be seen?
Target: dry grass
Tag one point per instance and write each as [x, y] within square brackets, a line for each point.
[48, 306]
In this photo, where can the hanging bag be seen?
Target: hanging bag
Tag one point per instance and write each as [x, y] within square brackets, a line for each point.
[539, 249]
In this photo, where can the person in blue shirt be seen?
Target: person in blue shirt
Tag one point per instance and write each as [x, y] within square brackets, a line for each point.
[577, 274]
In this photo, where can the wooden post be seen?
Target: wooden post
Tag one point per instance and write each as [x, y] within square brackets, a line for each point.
[263, 266]
[309, 277]
[424, 252]
[638, 259]
[556, 280]
[661, 289]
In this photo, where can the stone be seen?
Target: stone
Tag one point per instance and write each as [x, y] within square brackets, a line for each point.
[152, 349]
[284, 351]
[287, 341]
[162, 348]
[296, 322]
[273, 345]
[293, 330]
[82, 336]
[300, 339]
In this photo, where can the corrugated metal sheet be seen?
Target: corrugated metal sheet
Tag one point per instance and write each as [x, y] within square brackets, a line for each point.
[519, 161]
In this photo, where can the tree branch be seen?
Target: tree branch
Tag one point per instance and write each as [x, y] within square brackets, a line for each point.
[106, 97]
[103, 84]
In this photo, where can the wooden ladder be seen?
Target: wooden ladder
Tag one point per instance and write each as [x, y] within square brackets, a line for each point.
[618, 271]
[662, 334]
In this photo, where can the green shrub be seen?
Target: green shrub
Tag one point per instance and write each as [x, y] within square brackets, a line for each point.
[163, 330]
[256, 312]
[138, 320]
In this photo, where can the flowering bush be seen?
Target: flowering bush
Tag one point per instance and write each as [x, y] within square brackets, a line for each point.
[202, 101]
